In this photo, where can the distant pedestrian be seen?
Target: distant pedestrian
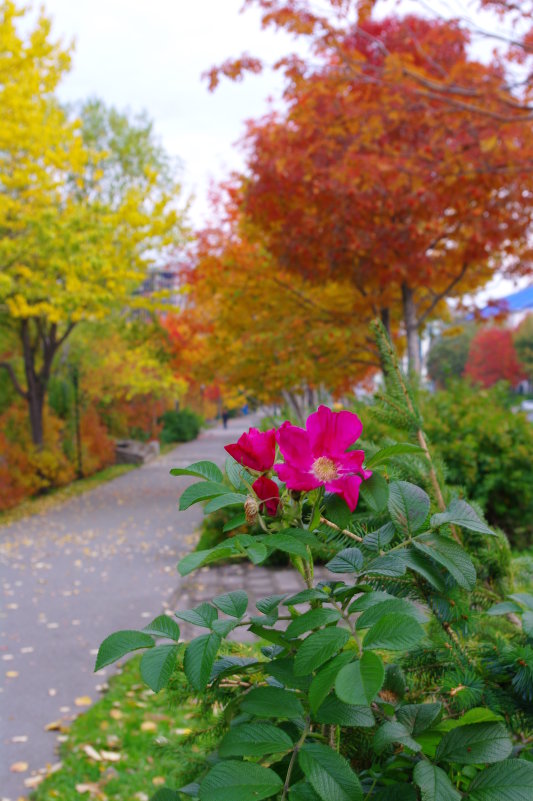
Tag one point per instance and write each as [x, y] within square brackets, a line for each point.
[225, 417]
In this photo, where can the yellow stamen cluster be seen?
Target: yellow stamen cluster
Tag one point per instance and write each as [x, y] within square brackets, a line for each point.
[325, 469]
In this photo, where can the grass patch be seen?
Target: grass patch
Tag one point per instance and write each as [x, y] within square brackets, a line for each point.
[43, 503]
[144, 743]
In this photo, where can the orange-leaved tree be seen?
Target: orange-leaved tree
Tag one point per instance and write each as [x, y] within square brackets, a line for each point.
[270, 332]
[368, 179]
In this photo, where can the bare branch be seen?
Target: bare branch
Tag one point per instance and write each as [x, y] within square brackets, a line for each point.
[11, 372]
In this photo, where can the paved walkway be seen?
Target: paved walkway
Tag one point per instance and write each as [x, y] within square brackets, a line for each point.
[103, 561]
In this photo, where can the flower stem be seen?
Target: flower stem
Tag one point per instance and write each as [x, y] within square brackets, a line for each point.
[344, 531]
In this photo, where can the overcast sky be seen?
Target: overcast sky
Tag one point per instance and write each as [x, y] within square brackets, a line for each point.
[150, 54]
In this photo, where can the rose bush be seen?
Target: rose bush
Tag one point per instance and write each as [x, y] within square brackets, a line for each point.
[326, 712]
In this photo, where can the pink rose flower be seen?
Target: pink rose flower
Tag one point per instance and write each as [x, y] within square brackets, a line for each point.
[268, 492]
[256, 450]
[317, 457]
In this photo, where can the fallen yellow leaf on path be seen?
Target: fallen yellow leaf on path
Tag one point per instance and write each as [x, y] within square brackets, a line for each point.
[83, 700]
[54, 725]
[19, 767]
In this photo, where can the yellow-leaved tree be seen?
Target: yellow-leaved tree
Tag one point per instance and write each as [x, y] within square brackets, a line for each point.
[88, 202]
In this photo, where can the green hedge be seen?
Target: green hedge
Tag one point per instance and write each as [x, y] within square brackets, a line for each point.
[180, 426]
[486, 449]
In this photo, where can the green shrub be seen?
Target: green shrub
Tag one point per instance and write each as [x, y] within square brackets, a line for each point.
[485, 446]
[487, 451]
[180, 426]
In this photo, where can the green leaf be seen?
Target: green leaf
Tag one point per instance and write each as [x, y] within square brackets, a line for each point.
[221, 501]
[369, 599]
[302, 791]
[390, 564]
[119, 644]
[312, 619]
[254, 739]
[349, 560]
[201, 492]
[325, 679]
[479, 714]
[235, 522]
[510, 780]
[377, 540]
[475, 743]
[207, 470]
[420, 564]
[245, 781]
[232, 603]
[283, 671]
[288, 543]
[386, 454]
[272, 702]
[199, 659]
[359, 682]
[408, 506]
[166, 794]
[157, 665]
[237, 474]
[393, 732]
[223, 627]
[461, 514]
[163, 626]
[256, 552]
[318, 648]
[451, 556]
[329, 773]
[332, 710]
[527, 623]
[418, 717]
[305, 595]
[504, 608]
[375, 492]
[336, 510]
[434, 783]
[371, 616]
[268, 604]
[202, 615]
[523, 598]
[394, 632]
[197, 559]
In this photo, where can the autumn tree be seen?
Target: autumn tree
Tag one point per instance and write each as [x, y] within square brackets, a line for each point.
[492, 358]
[78, 228]
[274, 334]
[373, 177]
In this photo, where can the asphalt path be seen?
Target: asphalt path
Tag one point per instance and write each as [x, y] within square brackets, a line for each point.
[103, 561]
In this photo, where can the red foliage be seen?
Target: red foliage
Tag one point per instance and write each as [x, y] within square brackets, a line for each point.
[492, 357]
[98, 449]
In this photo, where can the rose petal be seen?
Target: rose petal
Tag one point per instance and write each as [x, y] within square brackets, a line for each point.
[348, 488]
[294, 445]
[296, 479]
[267, 491]
[330, 433]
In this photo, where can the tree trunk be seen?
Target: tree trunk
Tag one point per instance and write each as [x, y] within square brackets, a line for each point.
[411, 330]
[385, 319]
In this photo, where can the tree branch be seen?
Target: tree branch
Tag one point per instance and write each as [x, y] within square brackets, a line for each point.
[11, 372]
[440, 295]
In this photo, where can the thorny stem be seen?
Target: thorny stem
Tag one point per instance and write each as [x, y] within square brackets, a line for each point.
[344, 531]
[294, 755]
